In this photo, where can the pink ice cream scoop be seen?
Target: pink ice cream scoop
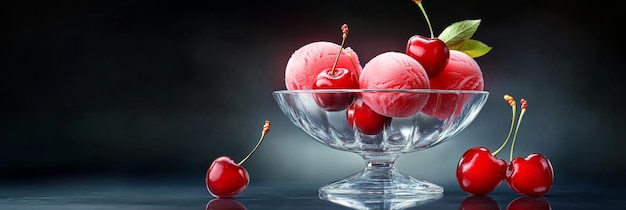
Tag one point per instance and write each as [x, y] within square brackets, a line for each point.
[310, 60]
[461, 73]
[394, 70]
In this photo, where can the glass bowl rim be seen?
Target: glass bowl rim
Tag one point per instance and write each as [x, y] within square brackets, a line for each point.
[381, 91]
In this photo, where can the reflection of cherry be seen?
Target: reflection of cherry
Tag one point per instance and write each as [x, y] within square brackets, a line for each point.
[529, 203]
[479, 202]
[336, 78]
[224, 204]
[479, 172]
[532, 175]
[365, 119]
[225, 178]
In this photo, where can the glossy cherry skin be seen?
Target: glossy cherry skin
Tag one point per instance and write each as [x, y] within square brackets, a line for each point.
[224, 204]
[532, 176]
[226, 179]
[340, 78]
[479, 202]
[365, 119]
[529, 202]
[432, 53]
[479, 172]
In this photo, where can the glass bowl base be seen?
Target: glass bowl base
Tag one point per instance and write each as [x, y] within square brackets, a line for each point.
[381, 182]
[385, 189]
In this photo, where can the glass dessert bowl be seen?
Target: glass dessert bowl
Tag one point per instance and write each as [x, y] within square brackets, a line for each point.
[412, 120]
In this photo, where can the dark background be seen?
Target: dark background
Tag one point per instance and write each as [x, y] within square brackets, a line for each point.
[158, 89]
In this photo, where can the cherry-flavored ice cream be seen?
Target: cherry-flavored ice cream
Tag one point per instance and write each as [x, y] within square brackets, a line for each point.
[394, 70]
[461, 73]
[306, 63]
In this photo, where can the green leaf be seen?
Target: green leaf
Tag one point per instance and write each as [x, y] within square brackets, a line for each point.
[473, 48]
[459, 32]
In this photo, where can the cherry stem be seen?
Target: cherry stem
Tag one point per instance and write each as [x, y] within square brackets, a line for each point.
[344, 31]
[521, 115]
[419, 4]
[266, 129]
[511, 102]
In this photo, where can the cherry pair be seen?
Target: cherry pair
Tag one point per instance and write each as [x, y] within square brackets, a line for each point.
[479, 172]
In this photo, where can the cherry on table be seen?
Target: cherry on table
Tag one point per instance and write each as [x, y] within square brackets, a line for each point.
[533, 175]
[479, 172]
[225, 178]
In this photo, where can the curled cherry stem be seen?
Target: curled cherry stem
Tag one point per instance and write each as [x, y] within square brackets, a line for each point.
[344, 31]
[511, 101]
[521, 115]
[266, 129]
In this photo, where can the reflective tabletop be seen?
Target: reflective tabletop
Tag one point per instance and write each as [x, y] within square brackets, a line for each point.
[156, 195]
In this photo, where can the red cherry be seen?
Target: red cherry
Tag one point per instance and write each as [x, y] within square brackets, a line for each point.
[224, 204]
[336, 78]
[479, 202]
[532, 176]
[225, 178]
[365, 119]
[339, 78]
[432, 53]
[526, 202]
[479, 172]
